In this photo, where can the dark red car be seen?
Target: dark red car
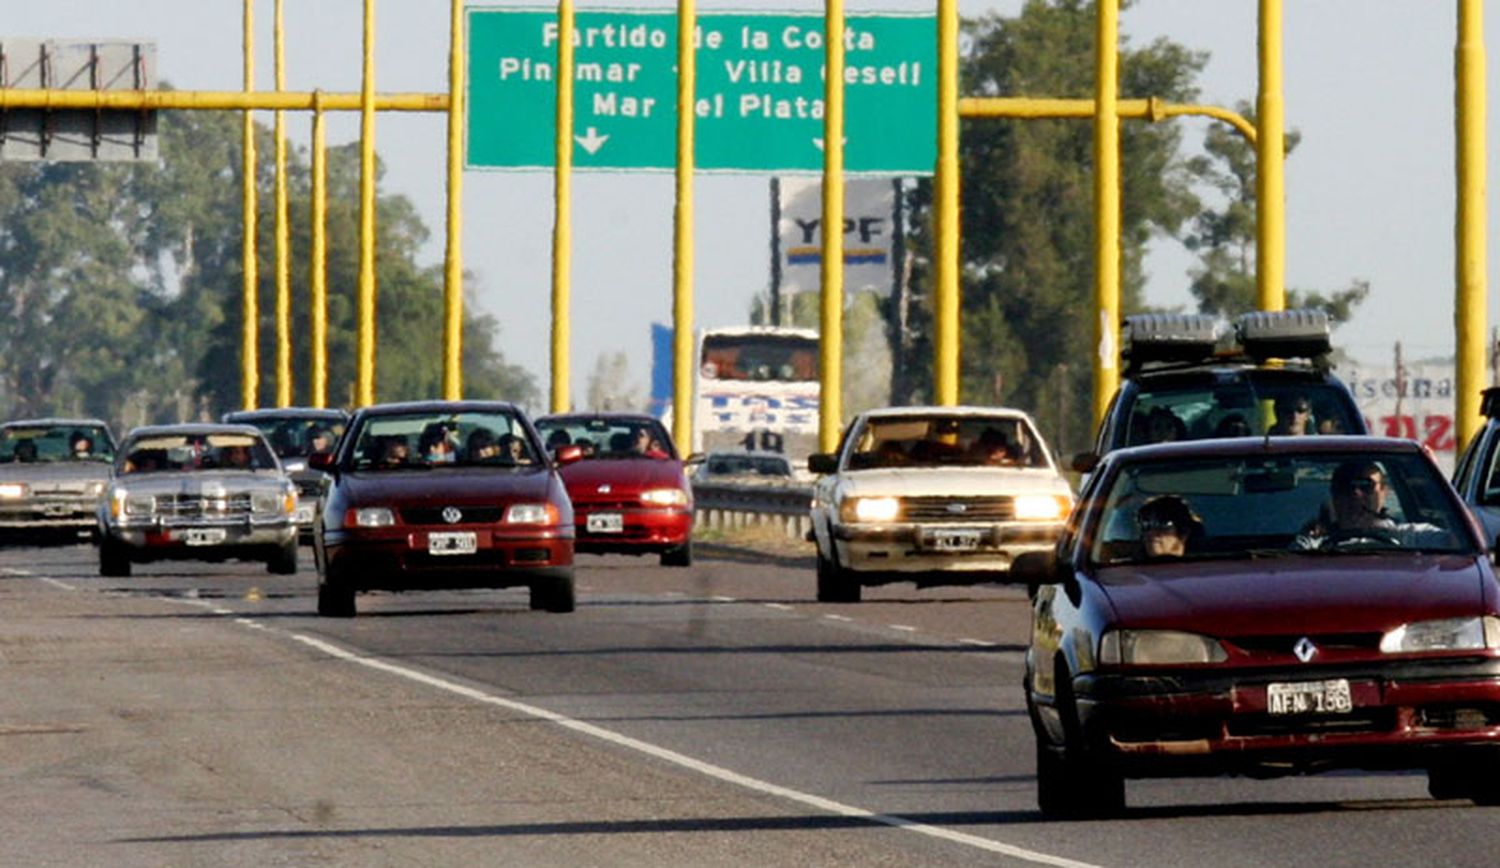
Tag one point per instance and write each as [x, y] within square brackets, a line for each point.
[629, 492]
[1264, 606]
[443, 494]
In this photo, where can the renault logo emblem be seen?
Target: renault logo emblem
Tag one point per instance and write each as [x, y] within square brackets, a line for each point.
[452, 515]
[1305, 650]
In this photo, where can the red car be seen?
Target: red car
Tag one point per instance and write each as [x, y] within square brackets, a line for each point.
[1264, 606]
[629, 492]
[443, 494]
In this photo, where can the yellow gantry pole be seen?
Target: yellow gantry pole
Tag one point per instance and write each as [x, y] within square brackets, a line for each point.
[317, 277]
[365, 387]
[945, 183]
[453, 259]
[1106, 206]
[682, 231]
[1270, 176]
[562, 215]
[831, 317]
[1470, 309]
[1152, 109]
[283, 234]
[250, 308]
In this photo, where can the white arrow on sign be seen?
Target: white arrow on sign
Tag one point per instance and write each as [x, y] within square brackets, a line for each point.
[593, 141]
[819, 143]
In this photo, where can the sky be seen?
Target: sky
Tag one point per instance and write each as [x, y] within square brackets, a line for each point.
[1370, 189]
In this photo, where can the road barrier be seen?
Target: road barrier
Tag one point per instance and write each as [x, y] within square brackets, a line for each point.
[730, 505]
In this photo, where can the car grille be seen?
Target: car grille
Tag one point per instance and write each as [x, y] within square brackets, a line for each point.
[434, 515]
[1280, 646]
[605, 505]
[1363, 720]
[958, 508]
[197, 505]
[59, 489]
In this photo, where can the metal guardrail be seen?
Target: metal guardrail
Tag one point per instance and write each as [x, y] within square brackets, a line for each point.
[738, 504]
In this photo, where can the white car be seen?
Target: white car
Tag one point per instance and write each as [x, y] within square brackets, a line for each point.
[934, 495]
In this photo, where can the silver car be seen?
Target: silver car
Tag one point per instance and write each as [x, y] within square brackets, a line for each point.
[52, 474]
[197, 492]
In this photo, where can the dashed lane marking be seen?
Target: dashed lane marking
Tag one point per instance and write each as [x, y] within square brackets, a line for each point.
[905, 628]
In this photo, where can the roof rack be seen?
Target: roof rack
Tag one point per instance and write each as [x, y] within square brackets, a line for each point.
[1285, 334]
[1169, 337]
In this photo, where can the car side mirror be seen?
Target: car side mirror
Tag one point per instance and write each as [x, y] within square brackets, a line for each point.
[823, 462]
[1035, 569]
[1085, 462]
[695, 458]
[568, 454]
[321, 461]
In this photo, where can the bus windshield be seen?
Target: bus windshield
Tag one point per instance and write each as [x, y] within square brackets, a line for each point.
[759, 357]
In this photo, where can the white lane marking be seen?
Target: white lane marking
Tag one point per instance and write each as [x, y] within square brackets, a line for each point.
[782, 606]
[903, 627]
[724, 599]
[980, 642]
[15, 571]
[717, 772]
[838, 617]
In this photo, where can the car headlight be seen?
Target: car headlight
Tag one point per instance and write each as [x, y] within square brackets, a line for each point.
[264, 501]
[664, 497]
[1158, 647]
[94, 489]
[1447, 634]
[1042, 507]
[371, 516]
[136, 504]
[531, 513]
[871, 509]
[12, 490]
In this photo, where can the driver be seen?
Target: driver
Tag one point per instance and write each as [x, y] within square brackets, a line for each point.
[1356, 511]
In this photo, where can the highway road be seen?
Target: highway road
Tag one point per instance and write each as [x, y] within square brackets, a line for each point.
[199, 714]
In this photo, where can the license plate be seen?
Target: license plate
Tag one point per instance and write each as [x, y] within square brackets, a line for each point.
[605, 522]
[1309, 697]
[956, 540]
[452, 543]
[303, 515]
[204, 536]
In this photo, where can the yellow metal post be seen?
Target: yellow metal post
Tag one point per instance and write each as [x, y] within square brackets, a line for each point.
[1270, 176]
[562, 215]
[283, 235]
[365, 393]
[831, 318]
[317, 277]
[1106, 206]
[1470, 306]
[250, 307]
[683, 362]
[453, 259]
[945, 182]
[1152, 109]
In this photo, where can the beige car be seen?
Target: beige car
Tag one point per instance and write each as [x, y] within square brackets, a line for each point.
[935, 496]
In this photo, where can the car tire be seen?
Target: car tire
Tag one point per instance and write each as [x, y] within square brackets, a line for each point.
[335, 598]
[114, 560]
[284, 562]
[555, 594]
[836, 584]
[678, 556]
[1073, 782]
[1470, 775]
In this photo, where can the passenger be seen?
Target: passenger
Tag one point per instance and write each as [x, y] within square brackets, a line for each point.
[81, 446]
[994, 447]
[644, 443]
[1166, 523]
[319, 441]
[1356, 512]
[482, 446]
[558, 438]
[1293, 416]
[513, 449]
[1233, 425]
[235, 457]
[26, 451]
[1164, 426]
[395, 452]
[435, 447]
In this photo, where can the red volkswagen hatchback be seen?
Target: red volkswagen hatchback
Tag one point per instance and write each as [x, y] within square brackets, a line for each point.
[629, 492]
[443, 494]
[1264, 606]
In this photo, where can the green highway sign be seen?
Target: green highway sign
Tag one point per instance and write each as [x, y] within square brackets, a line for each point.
[759, 100]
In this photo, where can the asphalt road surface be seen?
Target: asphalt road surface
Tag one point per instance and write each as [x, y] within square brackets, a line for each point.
[201, 714]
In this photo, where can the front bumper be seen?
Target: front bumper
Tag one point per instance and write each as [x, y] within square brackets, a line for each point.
[401, 558]
[204, 540]
[1403, 714]
[934, 547]
[58, 512]
[640, 530]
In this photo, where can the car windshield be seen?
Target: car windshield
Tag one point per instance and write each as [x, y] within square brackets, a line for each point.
[608, 438]
[929, 441]
[34, 444]
[160, 453]
[747, 464]
[1165, 410]
[299, 437]
[1264, 505]
[421, 441]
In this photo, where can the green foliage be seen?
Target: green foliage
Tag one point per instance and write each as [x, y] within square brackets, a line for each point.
[120, 285]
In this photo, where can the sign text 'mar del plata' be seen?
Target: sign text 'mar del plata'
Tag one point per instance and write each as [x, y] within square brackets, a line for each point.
[759, 98]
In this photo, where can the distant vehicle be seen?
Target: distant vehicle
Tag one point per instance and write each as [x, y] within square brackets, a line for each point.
[1477, 473]
[935, 495]
[52, 474]
[197, 492]
[444, 494]
[730, 466]
[1187, 378]
[629, 492]
[1263, 607]
[756, 389]
[295, 433]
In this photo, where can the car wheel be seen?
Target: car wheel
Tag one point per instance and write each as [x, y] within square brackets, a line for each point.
[1074, 782]
[335, 598]
[554, 594]
[680, 556]
[114, 561]
[284, 562]
[1467, 776]
[835, 584]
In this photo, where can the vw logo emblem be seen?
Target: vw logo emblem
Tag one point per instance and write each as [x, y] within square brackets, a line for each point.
[958, 508]
[1305, 649]
[452, 514]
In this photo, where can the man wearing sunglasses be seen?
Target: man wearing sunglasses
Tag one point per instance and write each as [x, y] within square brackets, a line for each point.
[1293, 416]
[1356, 515]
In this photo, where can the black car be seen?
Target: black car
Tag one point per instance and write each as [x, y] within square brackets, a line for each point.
[1188, 377]
[1477, 474]
[295, 433]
